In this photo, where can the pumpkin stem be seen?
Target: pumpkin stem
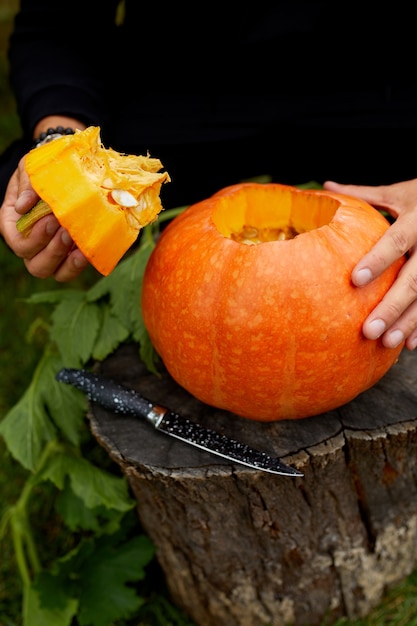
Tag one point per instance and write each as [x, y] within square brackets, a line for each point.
[25, 223]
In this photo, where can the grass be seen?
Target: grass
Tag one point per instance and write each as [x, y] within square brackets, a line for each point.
[18, 357]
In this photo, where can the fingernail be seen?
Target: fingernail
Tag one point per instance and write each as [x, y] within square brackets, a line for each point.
[51, 226]
[376, 328]
[363, 277]
[22, 201]
[80, 263]
[395, 338]
[65, 238]
[412, 344]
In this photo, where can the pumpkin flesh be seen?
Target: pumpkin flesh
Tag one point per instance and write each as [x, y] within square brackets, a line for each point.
[272, 330]
[103, 198]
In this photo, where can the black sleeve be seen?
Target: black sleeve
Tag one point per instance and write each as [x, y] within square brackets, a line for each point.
[60, 56]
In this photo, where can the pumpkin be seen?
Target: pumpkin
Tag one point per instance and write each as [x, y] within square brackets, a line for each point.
[247, 298]
[101, 197]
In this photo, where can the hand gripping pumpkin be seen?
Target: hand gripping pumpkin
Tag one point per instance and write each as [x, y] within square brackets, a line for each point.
[247, 298]
[102, 197]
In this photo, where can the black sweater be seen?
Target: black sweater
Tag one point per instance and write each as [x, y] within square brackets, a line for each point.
[284, 88]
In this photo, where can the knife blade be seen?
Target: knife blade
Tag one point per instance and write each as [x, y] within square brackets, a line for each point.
[122, 400]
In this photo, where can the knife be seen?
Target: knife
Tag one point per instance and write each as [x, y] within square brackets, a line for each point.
[122, 400]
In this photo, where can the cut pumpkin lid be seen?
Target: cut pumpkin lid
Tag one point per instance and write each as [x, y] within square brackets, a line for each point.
[102, 197]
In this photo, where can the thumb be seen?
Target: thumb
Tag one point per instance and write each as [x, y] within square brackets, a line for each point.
[26, 195]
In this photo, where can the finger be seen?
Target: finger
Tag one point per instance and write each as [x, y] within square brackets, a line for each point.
[26, 195]
[373, 195]
[26, 200]
[74, 264]
[46, 261]
[394, 243]
[40, 236]
[405, 329]
[411, 341]
[395, 317]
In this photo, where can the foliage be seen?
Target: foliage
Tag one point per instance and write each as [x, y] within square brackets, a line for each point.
[94, 579]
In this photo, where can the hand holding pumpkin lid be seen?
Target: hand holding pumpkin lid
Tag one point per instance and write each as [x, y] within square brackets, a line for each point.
[101, 197]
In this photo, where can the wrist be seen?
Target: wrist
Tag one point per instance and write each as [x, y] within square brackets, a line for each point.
[53, 121]
[52, 133]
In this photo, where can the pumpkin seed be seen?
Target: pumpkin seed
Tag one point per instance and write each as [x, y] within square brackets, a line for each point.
[124, 198]
[250, 235]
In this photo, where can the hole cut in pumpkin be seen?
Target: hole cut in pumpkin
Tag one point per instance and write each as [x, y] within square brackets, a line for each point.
[253, 216]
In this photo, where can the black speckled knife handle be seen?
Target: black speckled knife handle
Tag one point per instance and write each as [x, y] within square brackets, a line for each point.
[107, 393]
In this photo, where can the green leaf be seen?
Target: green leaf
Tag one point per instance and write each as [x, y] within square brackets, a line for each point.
[51, 297]
[97, 573]
[124, 286]
[111, 334]
[45, 409]
[138, 330]
[34, 614]
[67, 406]
[105, 596]
[28, 427]
[76, 324]
[312, 184]
[94, 486]
[79, 517]
[147, 353]
[133, 277]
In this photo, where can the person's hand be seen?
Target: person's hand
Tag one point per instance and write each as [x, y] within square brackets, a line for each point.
[48, 250]
[394, 319]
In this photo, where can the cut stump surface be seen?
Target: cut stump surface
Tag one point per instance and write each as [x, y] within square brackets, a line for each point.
[241, 547]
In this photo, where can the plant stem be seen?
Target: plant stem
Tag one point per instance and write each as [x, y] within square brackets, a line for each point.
[169, 214]
[25, 223]
[27, 557]
[20, 529]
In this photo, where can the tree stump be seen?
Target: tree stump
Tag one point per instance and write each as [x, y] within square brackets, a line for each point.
[241, 547]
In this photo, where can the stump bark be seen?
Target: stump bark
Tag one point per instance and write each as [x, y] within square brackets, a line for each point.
[241, 547]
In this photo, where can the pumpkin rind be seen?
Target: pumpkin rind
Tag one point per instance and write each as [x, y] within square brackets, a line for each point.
[269, 331]
[75, 175]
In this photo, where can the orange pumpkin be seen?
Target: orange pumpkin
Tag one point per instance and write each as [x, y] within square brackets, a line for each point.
[102, 197]
[247, 297]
